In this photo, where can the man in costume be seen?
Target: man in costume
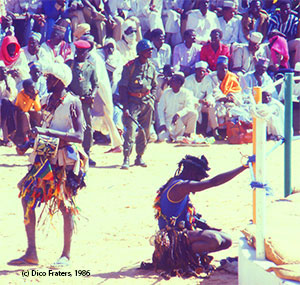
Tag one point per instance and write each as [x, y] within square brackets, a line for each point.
[179, 244]
[55, 180]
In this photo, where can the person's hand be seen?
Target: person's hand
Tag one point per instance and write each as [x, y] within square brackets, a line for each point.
[175, 119]
[162, 128]
[14, 73]
[33, 132]
[152, 8]
[126, 112]
[87, 100]
[230, 98]
[178, 10]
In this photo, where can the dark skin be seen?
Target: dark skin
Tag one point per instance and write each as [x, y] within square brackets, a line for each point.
[175, 84]
[123, 90]
[57, 88]
[228, 13]
[33, 46]
[259, 71]
[222, 69]
[203, 6]
[158, 41]
[206, 240]
[81, 55]
[285, 11]
[255, 8]
[215, 40]
[35, 73]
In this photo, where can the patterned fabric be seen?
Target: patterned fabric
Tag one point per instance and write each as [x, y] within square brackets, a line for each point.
[289, 28]
[50, 184]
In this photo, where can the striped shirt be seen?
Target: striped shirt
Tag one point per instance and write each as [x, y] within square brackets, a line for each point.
[289, 28]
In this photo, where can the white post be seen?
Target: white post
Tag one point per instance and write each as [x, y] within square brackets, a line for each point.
[260, 192]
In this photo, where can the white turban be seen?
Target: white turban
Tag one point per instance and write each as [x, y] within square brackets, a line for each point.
[61, 71]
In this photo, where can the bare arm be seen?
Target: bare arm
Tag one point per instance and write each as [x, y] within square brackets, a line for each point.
[77, 119]
[178, 192]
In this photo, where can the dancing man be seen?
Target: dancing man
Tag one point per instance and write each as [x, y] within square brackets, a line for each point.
[55, 180]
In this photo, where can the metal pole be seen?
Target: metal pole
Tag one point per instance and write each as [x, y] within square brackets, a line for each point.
[288, 120]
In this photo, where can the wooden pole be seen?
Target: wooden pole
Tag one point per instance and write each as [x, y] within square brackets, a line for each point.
[258, 98]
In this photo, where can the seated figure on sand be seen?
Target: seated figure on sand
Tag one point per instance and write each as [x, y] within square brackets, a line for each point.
[184, 239]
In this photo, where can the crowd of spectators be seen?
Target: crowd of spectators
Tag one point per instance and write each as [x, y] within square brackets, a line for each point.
[208, 54]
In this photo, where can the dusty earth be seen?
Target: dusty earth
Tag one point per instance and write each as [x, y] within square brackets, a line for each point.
[117, 218]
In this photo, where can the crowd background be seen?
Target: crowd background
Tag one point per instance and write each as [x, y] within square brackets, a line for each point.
[207, 55]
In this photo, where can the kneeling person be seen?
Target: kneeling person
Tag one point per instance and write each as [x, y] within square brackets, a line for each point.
[178, 222]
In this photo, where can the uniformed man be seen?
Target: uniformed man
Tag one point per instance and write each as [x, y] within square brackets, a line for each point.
[137, 89]
[84, 84]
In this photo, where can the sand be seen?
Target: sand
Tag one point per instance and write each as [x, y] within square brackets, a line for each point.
[117, 218]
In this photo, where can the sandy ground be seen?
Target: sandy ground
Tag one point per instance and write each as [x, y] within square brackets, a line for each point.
[117, 218]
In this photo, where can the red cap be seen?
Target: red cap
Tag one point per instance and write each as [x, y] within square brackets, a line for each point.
[82, 44]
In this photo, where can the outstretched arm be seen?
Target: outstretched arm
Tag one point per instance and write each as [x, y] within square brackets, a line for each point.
[181, 190]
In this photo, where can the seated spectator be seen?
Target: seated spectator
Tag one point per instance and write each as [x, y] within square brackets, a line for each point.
[121, 11]
[278, 52]
[204, 101]
[33, 52]
[14, 59]
[171, 15]
[287, 23]
[244, 56]
[275, 120]
[186, 54]
[81, 30]
[224, 87]
[202, 21]
[25, 13]
[229, 23]
[212, 50]
[94, 15]
[6, 27]
[55, 10]
[149, 13]
[176, 110]
[38, 79]
[254, 20]
[8, 93]
[56, 46]
[29, 110]
[258, 77]
[161, 56]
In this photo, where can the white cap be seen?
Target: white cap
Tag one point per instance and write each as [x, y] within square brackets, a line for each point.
[256, 37]
[229, 4]
[297, 67]
[201, 64]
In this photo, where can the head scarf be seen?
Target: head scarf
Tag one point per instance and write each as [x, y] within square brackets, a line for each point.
[4, 55]
[61, 71]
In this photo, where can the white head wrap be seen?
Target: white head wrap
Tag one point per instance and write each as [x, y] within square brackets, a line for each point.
[61, 71]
